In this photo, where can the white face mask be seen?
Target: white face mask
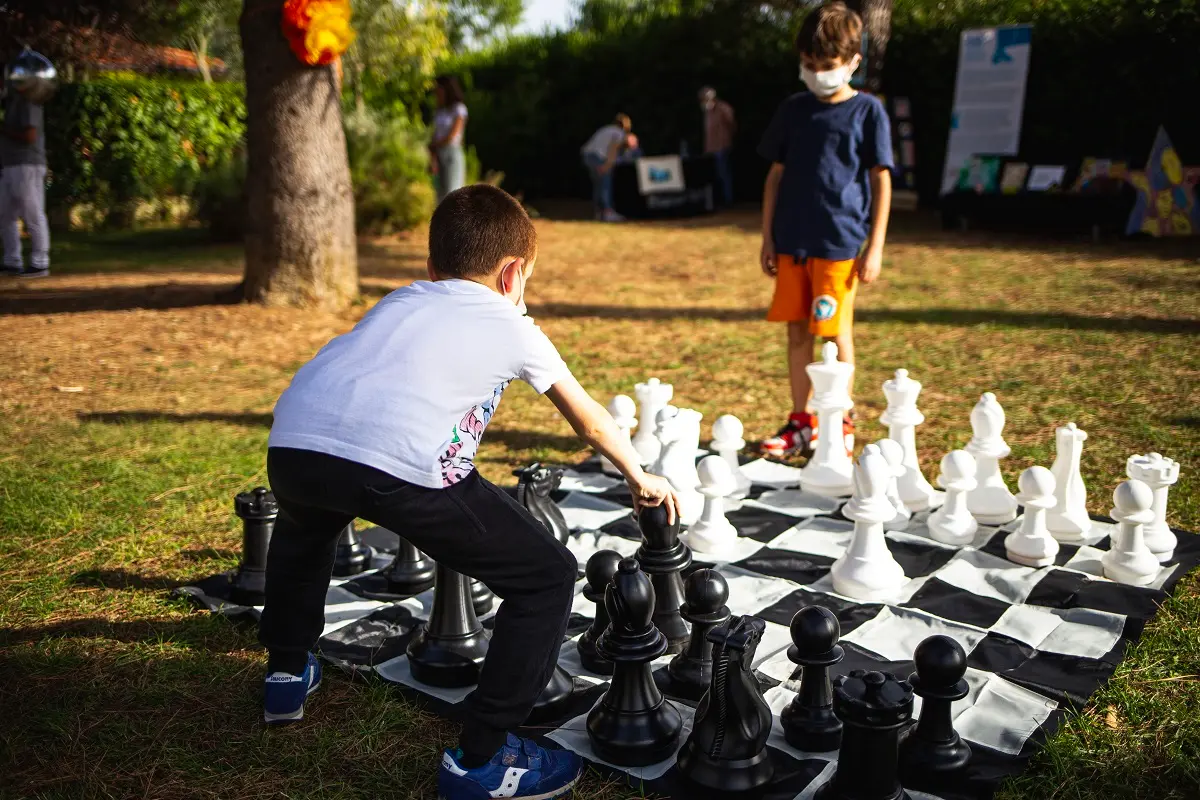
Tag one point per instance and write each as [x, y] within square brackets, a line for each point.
[828, 82]
[521, 298]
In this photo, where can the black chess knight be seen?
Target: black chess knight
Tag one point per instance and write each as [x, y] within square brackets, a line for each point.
[534, 485]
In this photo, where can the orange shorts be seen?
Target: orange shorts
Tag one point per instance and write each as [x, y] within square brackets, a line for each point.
[815, 290]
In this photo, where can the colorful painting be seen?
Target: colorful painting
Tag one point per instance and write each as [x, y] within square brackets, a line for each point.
[980, 174]
[1165, 205]
[1012, 180]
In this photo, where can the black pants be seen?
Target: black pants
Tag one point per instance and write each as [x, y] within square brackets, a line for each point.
[472, 527]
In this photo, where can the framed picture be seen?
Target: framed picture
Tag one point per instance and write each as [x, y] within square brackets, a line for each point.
[1045, 178]
[979, 174]
[1012, 180]
[659, 174]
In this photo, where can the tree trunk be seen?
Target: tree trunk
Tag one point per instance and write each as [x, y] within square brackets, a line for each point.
[200, 50]
[877, 20]
[300, 243]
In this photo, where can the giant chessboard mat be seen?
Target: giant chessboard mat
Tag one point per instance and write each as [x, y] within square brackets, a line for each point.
[1039, 641]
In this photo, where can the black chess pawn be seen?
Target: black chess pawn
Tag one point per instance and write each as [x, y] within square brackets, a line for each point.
[258, 510]
[601, 568]
[352, 556]
[727, 750]
[705, 593]
[874, 708]
[932, 749]
[633, 725]
[448, 650]
[808, 721]
[411, 572]
[663, 557]
[481, 597]
[534, 485]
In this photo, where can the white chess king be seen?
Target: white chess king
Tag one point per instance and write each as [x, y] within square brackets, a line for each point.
[867, 570]
[830, 472]
[1068, 521]
[1160, 474]
[624, 413]
[953, 522]
[1031, 544]
[652, 396]
[902, 417]
[990, 502]
[727, 442]
[1128, 559]
[712, 534]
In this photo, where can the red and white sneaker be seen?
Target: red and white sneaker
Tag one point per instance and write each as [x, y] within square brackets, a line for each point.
[797, 437]
[848, 435]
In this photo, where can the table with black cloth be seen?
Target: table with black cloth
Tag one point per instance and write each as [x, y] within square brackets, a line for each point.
[1042, 212]
[698, 196]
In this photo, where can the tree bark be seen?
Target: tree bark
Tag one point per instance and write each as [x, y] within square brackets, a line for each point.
[877, 20]
[200, 50]
[300, 244]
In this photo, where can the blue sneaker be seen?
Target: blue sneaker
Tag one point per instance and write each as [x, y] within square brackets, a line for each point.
[284, 693]
[520, 770]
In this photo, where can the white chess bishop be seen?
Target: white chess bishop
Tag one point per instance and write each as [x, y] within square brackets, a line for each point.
[902, 418]
[624, 413]
[830, 472]
[1128, 559]
[712, 534]
[1068, 521]
[990, 502]
[1031, 544]
[678, 432]
[727, 442]
[953, 522]
[1160, 474]
[893, 454]
[867, 570]
[652, 396]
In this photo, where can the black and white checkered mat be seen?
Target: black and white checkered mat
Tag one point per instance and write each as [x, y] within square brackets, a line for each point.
[1038, 640]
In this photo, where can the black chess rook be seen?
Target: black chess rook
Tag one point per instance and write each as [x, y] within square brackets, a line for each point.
[410, 572]
[535, 484]
[352, 556]
[727, 750]
[705, 593]
[258, 511]
[448, 650]
[933, 750]
[808, 721]
[874, 708]
[601, 568]
[663, 557]
[633, 725]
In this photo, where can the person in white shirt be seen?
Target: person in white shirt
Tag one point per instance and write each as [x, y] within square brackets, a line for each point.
[600, 154]
[384, 424]
[446, 147]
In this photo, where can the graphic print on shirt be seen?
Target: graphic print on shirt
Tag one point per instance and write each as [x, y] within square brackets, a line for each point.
[459, 457]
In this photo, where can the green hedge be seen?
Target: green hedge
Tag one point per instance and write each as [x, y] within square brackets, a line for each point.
[1104, 75]
[114, 140]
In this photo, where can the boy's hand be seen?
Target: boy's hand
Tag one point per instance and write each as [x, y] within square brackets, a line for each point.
[869, 264]
[652, 490]
[767, 257]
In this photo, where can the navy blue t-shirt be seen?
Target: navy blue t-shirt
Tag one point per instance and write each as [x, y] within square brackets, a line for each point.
[827, 150]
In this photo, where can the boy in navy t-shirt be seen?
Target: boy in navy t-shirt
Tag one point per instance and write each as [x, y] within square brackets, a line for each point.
[827, 194]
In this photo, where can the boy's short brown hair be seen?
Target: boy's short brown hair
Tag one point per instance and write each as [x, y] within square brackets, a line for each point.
[829, 32]
[474, 228]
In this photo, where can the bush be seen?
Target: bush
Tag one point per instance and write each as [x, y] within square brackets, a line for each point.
[220, 200]
[389, 167]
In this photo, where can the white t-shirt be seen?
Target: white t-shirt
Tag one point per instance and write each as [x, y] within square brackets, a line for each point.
[602, 140]
[410, 389]
[443, 121]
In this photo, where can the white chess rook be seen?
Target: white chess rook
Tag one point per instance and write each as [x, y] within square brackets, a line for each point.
[867, 570]
[727, 442]
[902, 418]
[1031, 544]
[893, 453]
[990, 502]
[1129, 560]
[624, 413]
[652, 396]
[712, 534]
[831, 471]
[679, 436]
[1068, 521]
[1160, 474]
[953, 522]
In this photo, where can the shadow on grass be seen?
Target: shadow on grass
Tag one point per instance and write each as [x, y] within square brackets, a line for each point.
[121, 579]
[205, 630]
[156, 297]
[248, 419]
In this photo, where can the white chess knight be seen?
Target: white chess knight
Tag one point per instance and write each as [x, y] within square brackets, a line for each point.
[990, 502]
[623, 411]
[652, 396]
[1068, 521]
[678, 432]
[1031, 544]
[1128, 559]
[727, 442]
[1160, 474]
[830, 472]
[867, 570]
[893, 453]
[713, 534]
[953, 522]
[902, 417]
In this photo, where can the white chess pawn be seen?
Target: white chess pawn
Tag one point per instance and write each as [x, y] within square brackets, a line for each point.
[1032, 544]
[990, 502]
[624, 413]
[679, 432]
[727, 442]
[1068, 521]
[1129, 560]
[893, 454]
[902, 417]
[712, 534]
[953, 522]
[1160, 474]
[830, 472]
[652, 396]
[867, 570]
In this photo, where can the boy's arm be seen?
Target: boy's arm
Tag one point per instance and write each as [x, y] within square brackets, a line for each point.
[592, 423]
[770, 194]
[871, 261]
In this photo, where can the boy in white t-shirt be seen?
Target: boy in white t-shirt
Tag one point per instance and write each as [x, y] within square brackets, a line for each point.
[383, 424]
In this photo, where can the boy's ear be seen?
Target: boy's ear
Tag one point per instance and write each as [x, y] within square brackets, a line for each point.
[513, 267]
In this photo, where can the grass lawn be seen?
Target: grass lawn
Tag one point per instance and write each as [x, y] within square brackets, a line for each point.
[135, 402]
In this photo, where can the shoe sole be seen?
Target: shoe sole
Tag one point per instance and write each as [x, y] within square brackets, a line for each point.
[559, 792]
[295, 716]
[45, 274]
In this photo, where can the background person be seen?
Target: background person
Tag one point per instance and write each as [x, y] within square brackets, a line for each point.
[600, 154]
[23, 185]
[449, 125]
[719, 129]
